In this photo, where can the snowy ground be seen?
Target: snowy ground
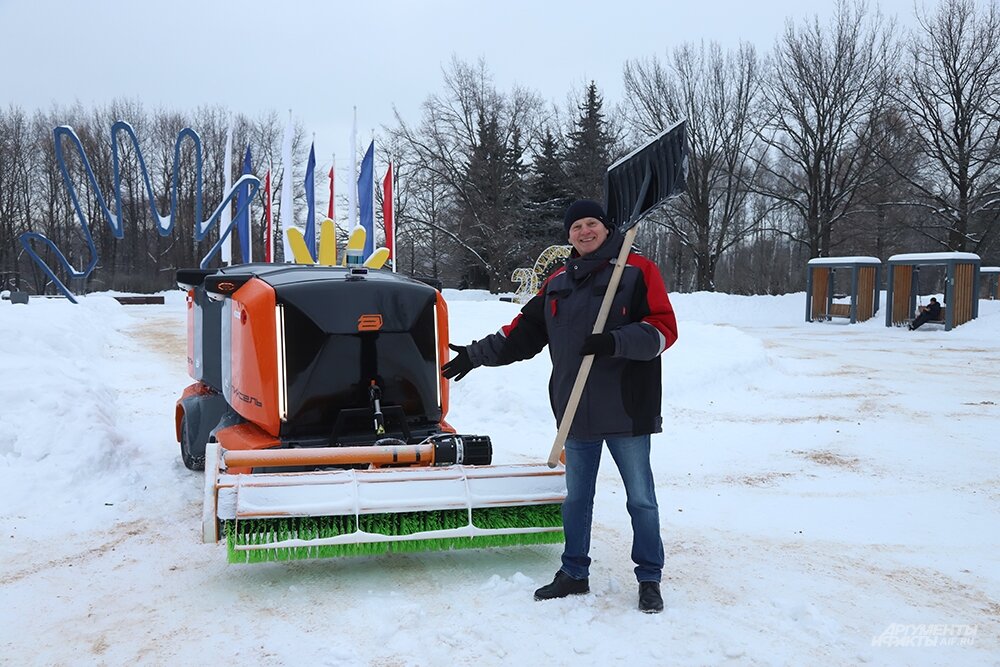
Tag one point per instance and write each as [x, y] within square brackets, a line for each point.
[828, 493]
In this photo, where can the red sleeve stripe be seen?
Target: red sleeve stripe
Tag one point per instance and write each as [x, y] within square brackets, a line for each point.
[661, 313]
[507, 328]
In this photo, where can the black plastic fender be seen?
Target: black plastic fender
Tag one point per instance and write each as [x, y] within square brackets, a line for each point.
[201, 414]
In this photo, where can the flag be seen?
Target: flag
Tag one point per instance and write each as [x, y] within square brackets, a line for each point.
[268, 232]
[287, 217]
[227, 213]
[366, 188]
[352, 196]
[310, 232]
[387, 216]
[329, 208]
[243, 205]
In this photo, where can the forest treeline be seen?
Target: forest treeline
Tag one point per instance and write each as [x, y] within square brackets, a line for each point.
[849, 137]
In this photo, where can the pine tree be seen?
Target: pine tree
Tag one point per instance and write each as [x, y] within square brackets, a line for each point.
[549, 194]
[494, 199]
[549, 182]
[590, 146]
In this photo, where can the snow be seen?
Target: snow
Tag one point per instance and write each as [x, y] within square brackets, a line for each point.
[934, 257]
[829, 494]
[989, 269]
[838, 261]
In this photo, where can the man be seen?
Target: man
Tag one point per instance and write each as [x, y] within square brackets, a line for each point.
[621, 402]
[929, 313]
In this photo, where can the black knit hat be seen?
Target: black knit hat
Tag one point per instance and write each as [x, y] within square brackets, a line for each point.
[585, 208]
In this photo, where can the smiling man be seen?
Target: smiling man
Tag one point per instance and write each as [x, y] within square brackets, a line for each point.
[588, 234]
[621, 402]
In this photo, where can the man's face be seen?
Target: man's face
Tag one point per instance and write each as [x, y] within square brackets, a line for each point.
[587, 235]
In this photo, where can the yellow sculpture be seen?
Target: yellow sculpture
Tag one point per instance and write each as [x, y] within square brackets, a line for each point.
[531, 279]
[353, 253]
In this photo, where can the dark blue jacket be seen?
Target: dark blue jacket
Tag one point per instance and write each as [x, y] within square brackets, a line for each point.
[622, 395]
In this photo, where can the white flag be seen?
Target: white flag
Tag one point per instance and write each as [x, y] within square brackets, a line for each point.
[286, 219]
[352, 193]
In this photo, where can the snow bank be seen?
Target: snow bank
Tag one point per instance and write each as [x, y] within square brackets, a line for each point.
[825, 489]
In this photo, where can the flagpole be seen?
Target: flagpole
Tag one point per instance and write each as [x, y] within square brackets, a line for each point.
[372, 193]
[287, 218]
[268, 227]
[392, 207]
[352, 197]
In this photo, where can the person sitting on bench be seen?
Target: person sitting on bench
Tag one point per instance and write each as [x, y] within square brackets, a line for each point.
[929, 313]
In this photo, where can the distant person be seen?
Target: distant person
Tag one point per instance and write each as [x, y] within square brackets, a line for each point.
[621, 402]
[929, 313]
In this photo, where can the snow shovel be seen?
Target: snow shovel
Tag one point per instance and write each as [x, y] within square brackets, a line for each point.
[635, 186]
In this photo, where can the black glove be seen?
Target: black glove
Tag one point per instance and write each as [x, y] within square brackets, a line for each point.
[459, 367]
[599, 345]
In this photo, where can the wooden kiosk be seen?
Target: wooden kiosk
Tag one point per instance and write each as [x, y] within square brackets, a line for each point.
[864, 288]
[961, 296]
[990, 276]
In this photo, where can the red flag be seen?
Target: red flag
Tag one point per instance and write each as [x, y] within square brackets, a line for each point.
[267, 217]
[329, 212]
[387, 213]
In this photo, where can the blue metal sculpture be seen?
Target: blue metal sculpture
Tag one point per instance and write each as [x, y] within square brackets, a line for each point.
[247, 186]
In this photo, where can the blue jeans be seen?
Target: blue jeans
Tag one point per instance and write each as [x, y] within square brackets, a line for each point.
[631, 454]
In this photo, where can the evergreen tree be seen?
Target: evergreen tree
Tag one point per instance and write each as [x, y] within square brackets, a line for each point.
[494, 198]
[549, 195]
[590, 144]
[549, 182]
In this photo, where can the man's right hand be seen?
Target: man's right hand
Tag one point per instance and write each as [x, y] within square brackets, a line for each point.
[459, 367]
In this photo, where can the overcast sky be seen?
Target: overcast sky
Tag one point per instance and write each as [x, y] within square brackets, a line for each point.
[324, 58]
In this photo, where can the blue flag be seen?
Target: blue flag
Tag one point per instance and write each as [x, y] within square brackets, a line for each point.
[310, 232]
[366, 188]
[243, 211]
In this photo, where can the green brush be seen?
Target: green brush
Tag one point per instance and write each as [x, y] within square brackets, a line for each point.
[263, 531]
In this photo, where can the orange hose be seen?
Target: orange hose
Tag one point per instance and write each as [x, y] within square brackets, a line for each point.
[377, 455]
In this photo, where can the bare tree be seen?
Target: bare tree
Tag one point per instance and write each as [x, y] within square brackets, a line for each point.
[472, 138]
[421, 215]
[950, 96]
[881, 225]
[15, 189]
[717, 92]
[826, 86]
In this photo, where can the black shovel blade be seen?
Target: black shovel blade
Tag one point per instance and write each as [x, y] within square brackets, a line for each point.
[663, 160]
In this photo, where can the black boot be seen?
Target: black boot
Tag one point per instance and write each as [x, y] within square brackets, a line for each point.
[650, 600]
[561, 586]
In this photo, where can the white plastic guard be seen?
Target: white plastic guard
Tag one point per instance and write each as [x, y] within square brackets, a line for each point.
[353, 492]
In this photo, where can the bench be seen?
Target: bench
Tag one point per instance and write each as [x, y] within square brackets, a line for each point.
[942, 320]
[840, 310]
[15, 296]
[139, 300]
